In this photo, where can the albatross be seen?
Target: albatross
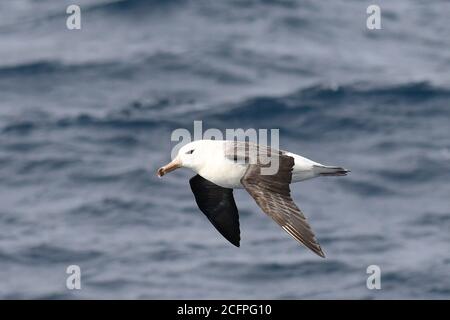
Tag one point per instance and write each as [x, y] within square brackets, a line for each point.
[224, 165]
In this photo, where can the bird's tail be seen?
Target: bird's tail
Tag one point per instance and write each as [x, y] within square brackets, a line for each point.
[330, 171]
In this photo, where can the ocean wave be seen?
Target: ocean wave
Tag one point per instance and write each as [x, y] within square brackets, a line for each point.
[335, 113]
[367, 188]
[46, 165]
[433, 219]
[50, 67]
[315, 98]
[305, 112]
[421, 169]
[255, 272]
[124, 6]
[46, 253]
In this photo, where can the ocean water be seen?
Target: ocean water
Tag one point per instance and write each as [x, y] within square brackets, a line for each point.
[86, 118]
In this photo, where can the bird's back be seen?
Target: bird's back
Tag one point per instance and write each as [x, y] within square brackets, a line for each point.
[228, 161]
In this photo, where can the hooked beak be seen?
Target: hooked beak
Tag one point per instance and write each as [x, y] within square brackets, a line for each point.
[175, 164]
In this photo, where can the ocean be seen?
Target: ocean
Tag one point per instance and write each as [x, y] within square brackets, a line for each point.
[86, 118]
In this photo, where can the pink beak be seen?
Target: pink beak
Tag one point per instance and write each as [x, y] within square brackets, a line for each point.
[175, 164]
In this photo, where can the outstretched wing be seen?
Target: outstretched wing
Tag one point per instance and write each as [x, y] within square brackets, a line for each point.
[218, 205]
[273, 196]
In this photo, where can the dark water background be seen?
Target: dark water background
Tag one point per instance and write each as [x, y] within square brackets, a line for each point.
[86, 118]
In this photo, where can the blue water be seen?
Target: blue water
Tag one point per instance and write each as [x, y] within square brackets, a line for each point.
[86, 118]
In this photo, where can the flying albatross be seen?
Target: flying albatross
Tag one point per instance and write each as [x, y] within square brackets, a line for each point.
[222, 166]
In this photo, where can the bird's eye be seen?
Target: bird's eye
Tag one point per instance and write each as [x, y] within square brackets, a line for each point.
[190, 151]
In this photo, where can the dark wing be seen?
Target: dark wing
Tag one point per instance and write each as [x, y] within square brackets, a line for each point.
[273, 196]
[218, 205]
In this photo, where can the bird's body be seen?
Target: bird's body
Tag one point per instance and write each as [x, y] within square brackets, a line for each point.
[265, 173]
[223, 171]
[219, 169]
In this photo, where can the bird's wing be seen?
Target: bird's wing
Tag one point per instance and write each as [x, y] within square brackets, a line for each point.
[273, 196]
[218, 205]
[248, 152]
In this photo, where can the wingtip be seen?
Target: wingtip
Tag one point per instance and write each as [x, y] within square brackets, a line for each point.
[320, 253]
[234, 241]
[317, 249]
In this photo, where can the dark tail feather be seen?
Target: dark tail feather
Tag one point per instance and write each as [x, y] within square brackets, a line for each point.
[331, 171]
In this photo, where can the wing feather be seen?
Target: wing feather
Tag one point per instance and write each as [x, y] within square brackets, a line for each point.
[273, 196]
[218, 205]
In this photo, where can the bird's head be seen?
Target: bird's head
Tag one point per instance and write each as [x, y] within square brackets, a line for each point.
[189, 156]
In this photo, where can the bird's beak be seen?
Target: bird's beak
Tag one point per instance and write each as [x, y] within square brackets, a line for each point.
[175, 164]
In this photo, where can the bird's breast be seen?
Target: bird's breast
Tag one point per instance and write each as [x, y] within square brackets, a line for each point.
[225, 173]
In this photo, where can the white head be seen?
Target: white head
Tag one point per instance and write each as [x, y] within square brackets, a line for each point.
[191, 155]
